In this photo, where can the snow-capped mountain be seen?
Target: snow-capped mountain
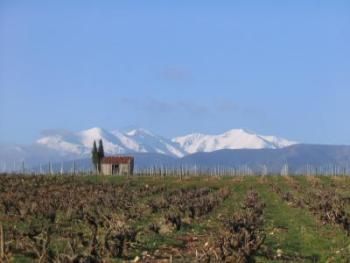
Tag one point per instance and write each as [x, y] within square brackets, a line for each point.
[148, 142]
[232, 139]
[143, 141]
[114, 142]
[56, 146]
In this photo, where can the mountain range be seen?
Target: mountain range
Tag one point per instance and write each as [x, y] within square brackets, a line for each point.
[62, 145]
[234, 148]
[144, 141]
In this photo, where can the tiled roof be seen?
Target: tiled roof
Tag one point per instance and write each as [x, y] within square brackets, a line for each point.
[117, 159]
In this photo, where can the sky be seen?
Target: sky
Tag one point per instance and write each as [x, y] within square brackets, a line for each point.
[175, 67]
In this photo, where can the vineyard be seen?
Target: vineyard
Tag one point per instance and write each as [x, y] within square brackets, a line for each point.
[174, 219]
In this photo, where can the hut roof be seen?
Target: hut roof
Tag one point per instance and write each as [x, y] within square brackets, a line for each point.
[117, 159]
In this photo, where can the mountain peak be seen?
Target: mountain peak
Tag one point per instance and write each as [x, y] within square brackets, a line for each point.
[95, 131]
[231, 139]
[139, 131]
[238, 131]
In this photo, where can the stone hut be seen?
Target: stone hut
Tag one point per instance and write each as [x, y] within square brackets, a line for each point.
[117, 165]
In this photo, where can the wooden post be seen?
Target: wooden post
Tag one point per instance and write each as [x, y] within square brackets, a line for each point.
[2, 250]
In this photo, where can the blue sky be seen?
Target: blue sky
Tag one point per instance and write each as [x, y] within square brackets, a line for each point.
[274, 67]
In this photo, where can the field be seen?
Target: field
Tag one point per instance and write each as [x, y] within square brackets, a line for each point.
[172, 219]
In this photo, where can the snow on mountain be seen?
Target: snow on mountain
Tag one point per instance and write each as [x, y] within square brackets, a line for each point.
[144, 141]
[65, 145]
[58, 143]
[232, 139]
[148, 142]
[114, 142]
[278, 142]
[111, 143]
[80, 143]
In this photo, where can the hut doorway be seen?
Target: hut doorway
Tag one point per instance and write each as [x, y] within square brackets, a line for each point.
[115, 168]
